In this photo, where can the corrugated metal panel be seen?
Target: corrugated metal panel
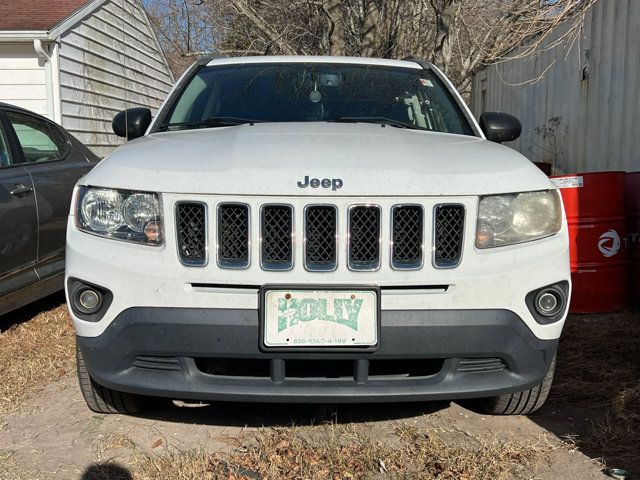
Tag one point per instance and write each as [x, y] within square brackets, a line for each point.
[108, 62]
[23, 79]
[583, 115]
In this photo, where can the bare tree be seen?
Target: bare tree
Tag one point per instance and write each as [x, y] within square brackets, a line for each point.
[459, 36]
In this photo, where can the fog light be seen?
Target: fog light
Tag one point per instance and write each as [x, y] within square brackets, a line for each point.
[89, 301]
[548, 303]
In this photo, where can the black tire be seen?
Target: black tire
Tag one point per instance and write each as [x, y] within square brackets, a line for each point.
[104, 400]
[519, 403]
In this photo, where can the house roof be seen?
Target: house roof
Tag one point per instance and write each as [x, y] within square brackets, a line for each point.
[36, 15]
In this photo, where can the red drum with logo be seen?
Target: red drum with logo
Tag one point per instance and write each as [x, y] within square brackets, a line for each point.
[595, 208]
[633, 216]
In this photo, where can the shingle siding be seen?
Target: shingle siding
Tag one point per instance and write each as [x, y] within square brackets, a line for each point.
[109, 61]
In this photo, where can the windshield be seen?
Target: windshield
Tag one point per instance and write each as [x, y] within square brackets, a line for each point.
[316, 92]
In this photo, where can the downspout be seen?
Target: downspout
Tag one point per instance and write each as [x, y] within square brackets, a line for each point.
[43, 54]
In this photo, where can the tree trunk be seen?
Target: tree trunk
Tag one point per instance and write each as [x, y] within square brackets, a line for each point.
[370, 33]
[446, 14]
[336, 27]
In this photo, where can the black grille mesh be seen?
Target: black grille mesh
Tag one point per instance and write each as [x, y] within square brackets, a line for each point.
[364, 237]
[192, 237]
[449, 227]
[408, 225]
[277, 223]
[320, 234]
[233, 235]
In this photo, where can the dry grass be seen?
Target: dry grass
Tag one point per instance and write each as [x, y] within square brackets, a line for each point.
[33, 354]
[117, 441]
[599, 374]
[10, 470]
[348, 452]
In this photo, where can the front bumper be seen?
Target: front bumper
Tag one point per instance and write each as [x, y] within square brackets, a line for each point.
[471, 353]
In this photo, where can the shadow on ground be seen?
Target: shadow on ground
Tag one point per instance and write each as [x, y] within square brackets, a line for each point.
[256, 415]
[26, 313]
[106, 471]
[595, 400]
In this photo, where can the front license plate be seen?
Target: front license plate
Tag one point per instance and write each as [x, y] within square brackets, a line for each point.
[320, 318]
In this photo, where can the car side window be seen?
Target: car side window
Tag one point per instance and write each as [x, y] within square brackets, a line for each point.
[40, 141]
[5, 155]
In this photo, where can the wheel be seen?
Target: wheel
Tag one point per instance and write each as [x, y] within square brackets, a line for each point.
[519, 403]
[101, 399]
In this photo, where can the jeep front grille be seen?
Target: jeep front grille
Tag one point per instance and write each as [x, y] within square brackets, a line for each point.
[448, 233]
[362, 233]
[233, 235]
[191, 233]
[276, 228]
[321, 237]
[407, 233]
[364, 237]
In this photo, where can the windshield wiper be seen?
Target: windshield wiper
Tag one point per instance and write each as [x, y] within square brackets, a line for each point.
[381, 120]
[211, 122]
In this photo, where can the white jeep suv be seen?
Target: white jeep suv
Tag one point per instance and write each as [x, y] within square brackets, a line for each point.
[316, 229]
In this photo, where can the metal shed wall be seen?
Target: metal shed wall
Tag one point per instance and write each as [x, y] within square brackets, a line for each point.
[109, 61]
[584, 114]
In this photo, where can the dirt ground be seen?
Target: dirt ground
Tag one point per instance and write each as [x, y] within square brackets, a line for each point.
[50, 434]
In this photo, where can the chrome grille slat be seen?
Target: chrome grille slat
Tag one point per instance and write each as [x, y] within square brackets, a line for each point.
[276, 228]
[233, 235]
[320, 237]
[191, 230]
[407, 226]
[448, 235]
[364, 237]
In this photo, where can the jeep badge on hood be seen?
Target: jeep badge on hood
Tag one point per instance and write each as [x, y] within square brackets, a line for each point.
[334, 183]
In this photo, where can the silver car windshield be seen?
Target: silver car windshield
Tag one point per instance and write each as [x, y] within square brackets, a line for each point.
[316, 92]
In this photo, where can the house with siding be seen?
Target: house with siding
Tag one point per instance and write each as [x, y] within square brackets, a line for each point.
[578, 101]
[80, 62]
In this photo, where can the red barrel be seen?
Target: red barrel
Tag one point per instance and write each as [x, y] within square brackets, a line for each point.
[633, 224]
[595, 208]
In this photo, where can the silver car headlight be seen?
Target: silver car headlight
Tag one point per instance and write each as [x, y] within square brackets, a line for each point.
[517, 217]
[120, 214]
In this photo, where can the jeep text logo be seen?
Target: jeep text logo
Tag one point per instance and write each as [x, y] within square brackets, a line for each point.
[334, 183]
[293, 311]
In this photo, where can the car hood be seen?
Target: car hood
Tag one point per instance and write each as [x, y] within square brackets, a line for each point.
[273, 158]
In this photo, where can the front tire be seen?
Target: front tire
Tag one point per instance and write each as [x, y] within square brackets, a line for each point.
[101, 399]
[519, 403]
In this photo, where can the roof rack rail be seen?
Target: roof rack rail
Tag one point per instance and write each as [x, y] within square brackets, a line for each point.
[423, 63]
[206, 58]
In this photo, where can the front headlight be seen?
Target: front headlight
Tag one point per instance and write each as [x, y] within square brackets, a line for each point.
[120, 214]
[517, 217]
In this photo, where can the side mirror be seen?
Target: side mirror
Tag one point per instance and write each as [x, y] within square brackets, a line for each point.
[131, 123]
[500, 127]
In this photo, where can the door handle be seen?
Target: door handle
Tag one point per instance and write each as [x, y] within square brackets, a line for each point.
[19, 189]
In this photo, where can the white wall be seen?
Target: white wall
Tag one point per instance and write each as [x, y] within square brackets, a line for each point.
[108, 62]
[23, 77]
[588, 100]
